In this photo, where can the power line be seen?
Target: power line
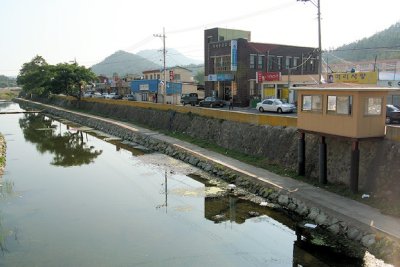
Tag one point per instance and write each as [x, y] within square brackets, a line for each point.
[362, 48]
[234, 19]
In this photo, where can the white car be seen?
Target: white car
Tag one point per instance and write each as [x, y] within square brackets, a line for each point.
[88, 94]
[275, 105]
[97, 95]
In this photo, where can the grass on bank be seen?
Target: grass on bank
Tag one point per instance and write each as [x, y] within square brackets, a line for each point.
[8, 93]
[261, 162]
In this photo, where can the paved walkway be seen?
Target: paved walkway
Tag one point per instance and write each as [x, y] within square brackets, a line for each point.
[347, 209]
[340, 206]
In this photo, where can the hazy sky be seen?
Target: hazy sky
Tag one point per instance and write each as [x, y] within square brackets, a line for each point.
[90, 30]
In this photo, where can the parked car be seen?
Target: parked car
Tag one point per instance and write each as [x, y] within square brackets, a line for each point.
[129, 97]
[192, 99]
[212, 102]
[88, 94]
[392, 114]
[107, 96]
[275, 105]
[97, 95]
[113, 95]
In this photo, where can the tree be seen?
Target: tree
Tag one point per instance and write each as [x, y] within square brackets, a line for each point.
[70, 79]
[38, 77]
[34, 76]
[200, 77]
[7, 81]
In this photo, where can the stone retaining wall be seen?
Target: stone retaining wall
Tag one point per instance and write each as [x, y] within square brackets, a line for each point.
[378, 172]
[379, 244]
[2, 154]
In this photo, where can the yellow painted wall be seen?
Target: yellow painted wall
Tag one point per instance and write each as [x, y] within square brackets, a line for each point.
[237, 116]
[269, 92]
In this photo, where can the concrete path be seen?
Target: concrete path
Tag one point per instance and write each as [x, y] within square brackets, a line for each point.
[341, 207]
[361, 215]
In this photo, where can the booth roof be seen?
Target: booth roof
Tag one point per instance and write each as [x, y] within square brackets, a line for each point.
[344, 86]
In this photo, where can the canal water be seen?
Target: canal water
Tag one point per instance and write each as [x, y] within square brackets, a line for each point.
[71, 196]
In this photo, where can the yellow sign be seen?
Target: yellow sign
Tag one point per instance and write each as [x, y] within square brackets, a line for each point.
[356, 77]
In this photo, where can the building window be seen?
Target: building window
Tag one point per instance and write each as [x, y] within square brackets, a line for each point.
[288, 62]
[311, 103]
[373, 106]
[252, 61]
[279, 62]
[339, 104]
[260, 63]
[271, 63]
[295, 62]
[311, 65]
[177, 77]
[158, 76]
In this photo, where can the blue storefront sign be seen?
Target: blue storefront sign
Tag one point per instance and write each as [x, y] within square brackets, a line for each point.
[174, 88]
[221, 77]
[148, 86]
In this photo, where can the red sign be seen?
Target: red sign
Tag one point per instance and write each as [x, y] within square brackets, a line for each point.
[171, 75]
[268, 76]
[259, 77]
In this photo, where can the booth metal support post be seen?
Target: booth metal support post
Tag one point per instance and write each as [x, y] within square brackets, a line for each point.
[322, 161]
[355, 158]
[301, 156]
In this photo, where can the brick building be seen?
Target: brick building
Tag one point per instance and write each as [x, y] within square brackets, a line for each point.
[236, 67]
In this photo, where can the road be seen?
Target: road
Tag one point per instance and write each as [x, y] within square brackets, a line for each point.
[254, 111]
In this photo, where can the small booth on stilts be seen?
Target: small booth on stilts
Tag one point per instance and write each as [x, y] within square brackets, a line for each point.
[354, 112]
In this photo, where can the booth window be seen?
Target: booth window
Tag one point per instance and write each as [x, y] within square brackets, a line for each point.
[339, 104]
[373, 106]
[312, 103]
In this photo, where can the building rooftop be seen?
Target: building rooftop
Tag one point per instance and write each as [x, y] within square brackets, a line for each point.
[344, 86]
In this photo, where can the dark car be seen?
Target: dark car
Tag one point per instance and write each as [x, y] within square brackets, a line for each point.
[211, 102]
[192, 99]
[129, 97]
[392, 114]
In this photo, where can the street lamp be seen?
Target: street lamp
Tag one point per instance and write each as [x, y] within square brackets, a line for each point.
[318, 6]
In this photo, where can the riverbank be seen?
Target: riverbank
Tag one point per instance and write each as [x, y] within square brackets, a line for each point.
[9, 93]
[339, 218]
[2, 154]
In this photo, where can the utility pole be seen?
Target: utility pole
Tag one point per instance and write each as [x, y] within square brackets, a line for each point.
[319, 44]
[318, 6]
[164, 88]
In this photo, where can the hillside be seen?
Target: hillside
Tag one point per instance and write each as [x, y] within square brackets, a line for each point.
[382, 45]
[123, 63]
[173, 57]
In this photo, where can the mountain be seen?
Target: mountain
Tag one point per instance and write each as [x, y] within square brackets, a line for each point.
[382, 45]
[173, 57]
[123, 63]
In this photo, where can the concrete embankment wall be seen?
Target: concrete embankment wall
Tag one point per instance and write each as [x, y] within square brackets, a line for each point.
[335, 226]
[379, 159]
[2, 154]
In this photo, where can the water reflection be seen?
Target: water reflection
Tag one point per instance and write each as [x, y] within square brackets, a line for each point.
[68, 148]
[9, 106]
[5, 104]
[111, 213]
[6, 190]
